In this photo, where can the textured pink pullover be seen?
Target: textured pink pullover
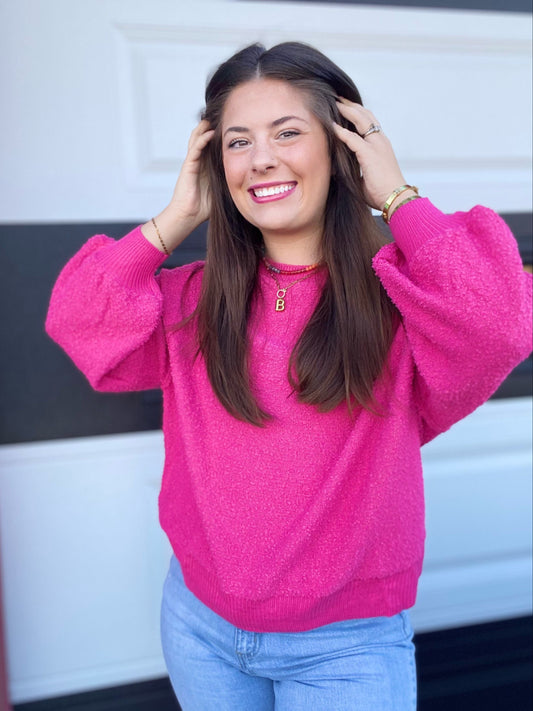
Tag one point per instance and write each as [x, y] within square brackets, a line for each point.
[316, 517]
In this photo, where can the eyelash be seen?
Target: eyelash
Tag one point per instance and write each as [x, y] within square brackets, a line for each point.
[239, 142]
[236, 142]
[289, 133]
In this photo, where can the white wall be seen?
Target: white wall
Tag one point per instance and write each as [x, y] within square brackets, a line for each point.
[98, 99]
[84, 559]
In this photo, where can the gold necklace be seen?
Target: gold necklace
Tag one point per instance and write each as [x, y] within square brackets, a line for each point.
[280, 293]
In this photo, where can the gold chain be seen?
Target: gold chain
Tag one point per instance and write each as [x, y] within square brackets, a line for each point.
[280, 293]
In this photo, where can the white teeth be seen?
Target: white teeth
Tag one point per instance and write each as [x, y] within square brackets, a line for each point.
[275, 190]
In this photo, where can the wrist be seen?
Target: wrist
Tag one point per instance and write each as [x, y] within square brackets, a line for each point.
[407, 196]
[396, 198]
[167, 230]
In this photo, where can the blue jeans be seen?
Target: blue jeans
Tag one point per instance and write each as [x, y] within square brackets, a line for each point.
[355, 665]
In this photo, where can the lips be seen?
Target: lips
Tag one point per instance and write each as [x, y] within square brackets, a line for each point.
[267, 192]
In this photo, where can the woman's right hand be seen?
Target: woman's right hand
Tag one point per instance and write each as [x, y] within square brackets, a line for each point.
[191, 202]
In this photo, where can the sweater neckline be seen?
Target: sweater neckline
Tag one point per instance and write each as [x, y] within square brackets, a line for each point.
[290, 267]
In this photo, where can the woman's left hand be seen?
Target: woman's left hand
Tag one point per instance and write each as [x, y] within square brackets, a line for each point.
[379, 168]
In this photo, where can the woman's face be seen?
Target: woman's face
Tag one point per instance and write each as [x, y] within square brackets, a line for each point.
[276, 161]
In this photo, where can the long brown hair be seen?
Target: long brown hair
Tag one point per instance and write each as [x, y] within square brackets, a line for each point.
[343, 348]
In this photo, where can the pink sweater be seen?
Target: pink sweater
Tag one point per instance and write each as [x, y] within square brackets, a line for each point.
[314, 518]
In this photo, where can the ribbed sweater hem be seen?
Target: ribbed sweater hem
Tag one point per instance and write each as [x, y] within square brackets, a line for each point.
[378, 597]
[133, 258]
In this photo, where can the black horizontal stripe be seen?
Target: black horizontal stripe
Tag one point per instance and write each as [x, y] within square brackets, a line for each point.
[43, 396]
[486, 5]
[486, 666]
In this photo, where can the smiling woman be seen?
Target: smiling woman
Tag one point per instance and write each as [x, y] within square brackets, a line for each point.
[302, 365]
[271, 119]
[278, 152]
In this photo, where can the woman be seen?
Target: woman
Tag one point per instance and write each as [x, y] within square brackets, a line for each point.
[303, 366]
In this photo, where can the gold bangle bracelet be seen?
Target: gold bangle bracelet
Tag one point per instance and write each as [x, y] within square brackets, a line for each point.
[165, 250]
[392, 197]
[403, 202]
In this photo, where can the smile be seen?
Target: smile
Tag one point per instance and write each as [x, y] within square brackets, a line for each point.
[264, 193]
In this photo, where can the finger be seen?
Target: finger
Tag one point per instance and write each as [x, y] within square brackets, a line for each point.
[361, 118]
[359, 109]
[201, 126]
[351, 139]
[204, 139]
[199, 130]
[199, 142]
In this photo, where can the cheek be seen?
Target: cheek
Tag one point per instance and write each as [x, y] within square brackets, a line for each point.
[234, 181]
[234, 171]
[227, 171]
[313, 161]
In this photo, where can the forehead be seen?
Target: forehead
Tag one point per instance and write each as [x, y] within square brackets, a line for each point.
[263, 101]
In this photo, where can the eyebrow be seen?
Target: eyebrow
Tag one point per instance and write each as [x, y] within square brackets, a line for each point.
[277, 122]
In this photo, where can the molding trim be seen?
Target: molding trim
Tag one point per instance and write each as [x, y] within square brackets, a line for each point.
[427, 41]
[450, 170]
[523, 6]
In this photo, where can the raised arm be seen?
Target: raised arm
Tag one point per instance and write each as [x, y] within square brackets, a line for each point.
[457, 281]
[106, 307]
[190, 203]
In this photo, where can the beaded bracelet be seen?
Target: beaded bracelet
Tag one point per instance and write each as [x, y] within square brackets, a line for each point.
[392, 197]
[161, 239]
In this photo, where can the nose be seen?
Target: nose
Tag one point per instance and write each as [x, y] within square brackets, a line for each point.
[263, 157]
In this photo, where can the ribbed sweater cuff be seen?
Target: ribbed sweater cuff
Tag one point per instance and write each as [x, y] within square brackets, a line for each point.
[413, 224]
[133, 259]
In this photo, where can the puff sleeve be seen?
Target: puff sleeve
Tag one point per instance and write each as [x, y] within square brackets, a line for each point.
[105, 312]
[465, 303]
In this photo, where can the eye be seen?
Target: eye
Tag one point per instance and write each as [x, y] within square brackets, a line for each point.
[289, 133]
[237, 143]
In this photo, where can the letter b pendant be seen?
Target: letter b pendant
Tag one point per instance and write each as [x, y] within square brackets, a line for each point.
[280, 303]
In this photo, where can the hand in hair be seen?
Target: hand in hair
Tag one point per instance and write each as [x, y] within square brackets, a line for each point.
[190, 204]
[379, 166]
